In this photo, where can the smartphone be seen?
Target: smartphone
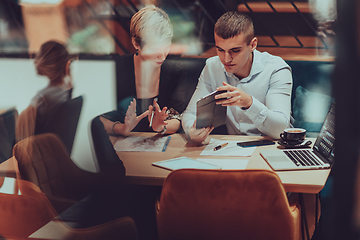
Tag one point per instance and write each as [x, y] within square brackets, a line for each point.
[255, 143]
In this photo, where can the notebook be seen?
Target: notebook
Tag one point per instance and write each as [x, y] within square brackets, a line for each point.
[319, 157]
[208, 113]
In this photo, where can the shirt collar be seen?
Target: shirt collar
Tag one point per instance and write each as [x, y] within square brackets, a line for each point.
[256, 67]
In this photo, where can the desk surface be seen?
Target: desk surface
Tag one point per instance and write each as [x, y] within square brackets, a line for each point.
[139, 169]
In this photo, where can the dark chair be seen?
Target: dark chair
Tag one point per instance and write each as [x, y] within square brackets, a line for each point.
[64, 122]
[103, 151]
[7, 133]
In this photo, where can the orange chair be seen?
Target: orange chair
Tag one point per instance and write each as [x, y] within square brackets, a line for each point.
[43, 160]
[29, 213]
[23, 214]
[226, 204]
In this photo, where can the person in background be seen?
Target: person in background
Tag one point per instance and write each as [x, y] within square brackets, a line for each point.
[53, 61]
[150, 89]
[258, 85]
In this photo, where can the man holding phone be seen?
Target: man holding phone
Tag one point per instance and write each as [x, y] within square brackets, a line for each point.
[258, 85]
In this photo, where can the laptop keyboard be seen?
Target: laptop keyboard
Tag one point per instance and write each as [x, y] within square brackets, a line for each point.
[302, 158]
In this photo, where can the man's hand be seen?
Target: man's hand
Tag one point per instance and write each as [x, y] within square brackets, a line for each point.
[235, 97]
[158, 121]
[199, 135]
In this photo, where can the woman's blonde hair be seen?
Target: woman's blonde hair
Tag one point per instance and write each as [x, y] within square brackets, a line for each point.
[148, 22]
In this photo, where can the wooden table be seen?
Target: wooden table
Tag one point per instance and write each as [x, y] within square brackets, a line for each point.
[139, 169]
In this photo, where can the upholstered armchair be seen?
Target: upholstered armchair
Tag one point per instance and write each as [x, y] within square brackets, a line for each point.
[22, 213]
[226, 204]
[28, 212]
[44, 160]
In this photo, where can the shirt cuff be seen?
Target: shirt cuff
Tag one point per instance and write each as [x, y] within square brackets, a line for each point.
[256, 111]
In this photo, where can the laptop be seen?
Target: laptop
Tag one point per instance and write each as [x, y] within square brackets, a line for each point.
[321, 156]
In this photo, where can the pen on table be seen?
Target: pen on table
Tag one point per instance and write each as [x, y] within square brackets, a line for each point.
[220, 146]
[152, 114]
[166, 144]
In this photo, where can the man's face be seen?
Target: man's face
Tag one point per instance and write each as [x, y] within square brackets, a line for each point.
[235, 54]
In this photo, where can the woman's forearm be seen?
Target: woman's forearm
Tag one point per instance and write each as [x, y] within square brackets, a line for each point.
[172, 126]
[116, 128]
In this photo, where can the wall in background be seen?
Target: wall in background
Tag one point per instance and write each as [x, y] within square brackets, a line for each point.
[93, 79]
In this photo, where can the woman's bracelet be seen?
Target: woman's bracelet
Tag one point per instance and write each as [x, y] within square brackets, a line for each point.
[112, 128]
[164, 130]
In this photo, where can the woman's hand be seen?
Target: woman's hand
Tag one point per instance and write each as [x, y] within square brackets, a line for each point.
[199, 135]
[131, 119]
[158, 121]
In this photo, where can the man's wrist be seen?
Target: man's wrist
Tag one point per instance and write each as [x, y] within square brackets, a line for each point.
[248, 106]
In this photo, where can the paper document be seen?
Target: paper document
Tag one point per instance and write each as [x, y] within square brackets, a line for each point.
[227, 164]
[141, 144]
[184, 162]
[229, 150]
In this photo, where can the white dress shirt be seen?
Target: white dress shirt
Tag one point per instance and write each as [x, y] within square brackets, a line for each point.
[269, 83]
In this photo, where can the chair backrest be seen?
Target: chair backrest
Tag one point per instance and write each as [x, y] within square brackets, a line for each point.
[7, 133]
[233, 204]
[43, 160]
[64, 122]
[103, 151]
[23, 214]
[32, 213]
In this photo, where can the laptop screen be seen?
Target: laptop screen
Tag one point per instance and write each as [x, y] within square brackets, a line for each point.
[324, 145]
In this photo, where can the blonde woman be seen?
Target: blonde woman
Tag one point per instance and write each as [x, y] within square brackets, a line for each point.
[150, 89]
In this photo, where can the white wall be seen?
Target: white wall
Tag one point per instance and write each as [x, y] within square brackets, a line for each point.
[93, 79]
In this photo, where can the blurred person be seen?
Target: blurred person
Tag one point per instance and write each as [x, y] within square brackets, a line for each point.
[150, 89]
[258, 84]
[53, 61]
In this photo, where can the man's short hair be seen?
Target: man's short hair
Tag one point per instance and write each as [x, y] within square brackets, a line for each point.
[231, 24]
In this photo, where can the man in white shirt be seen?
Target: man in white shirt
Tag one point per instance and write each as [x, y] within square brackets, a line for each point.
[258, 84]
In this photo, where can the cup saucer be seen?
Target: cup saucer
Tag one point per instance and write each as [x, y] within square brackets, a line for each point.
[299, 144]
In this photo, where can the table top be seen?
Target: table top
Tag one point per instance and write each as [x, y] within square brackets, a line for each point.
[139, 168]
